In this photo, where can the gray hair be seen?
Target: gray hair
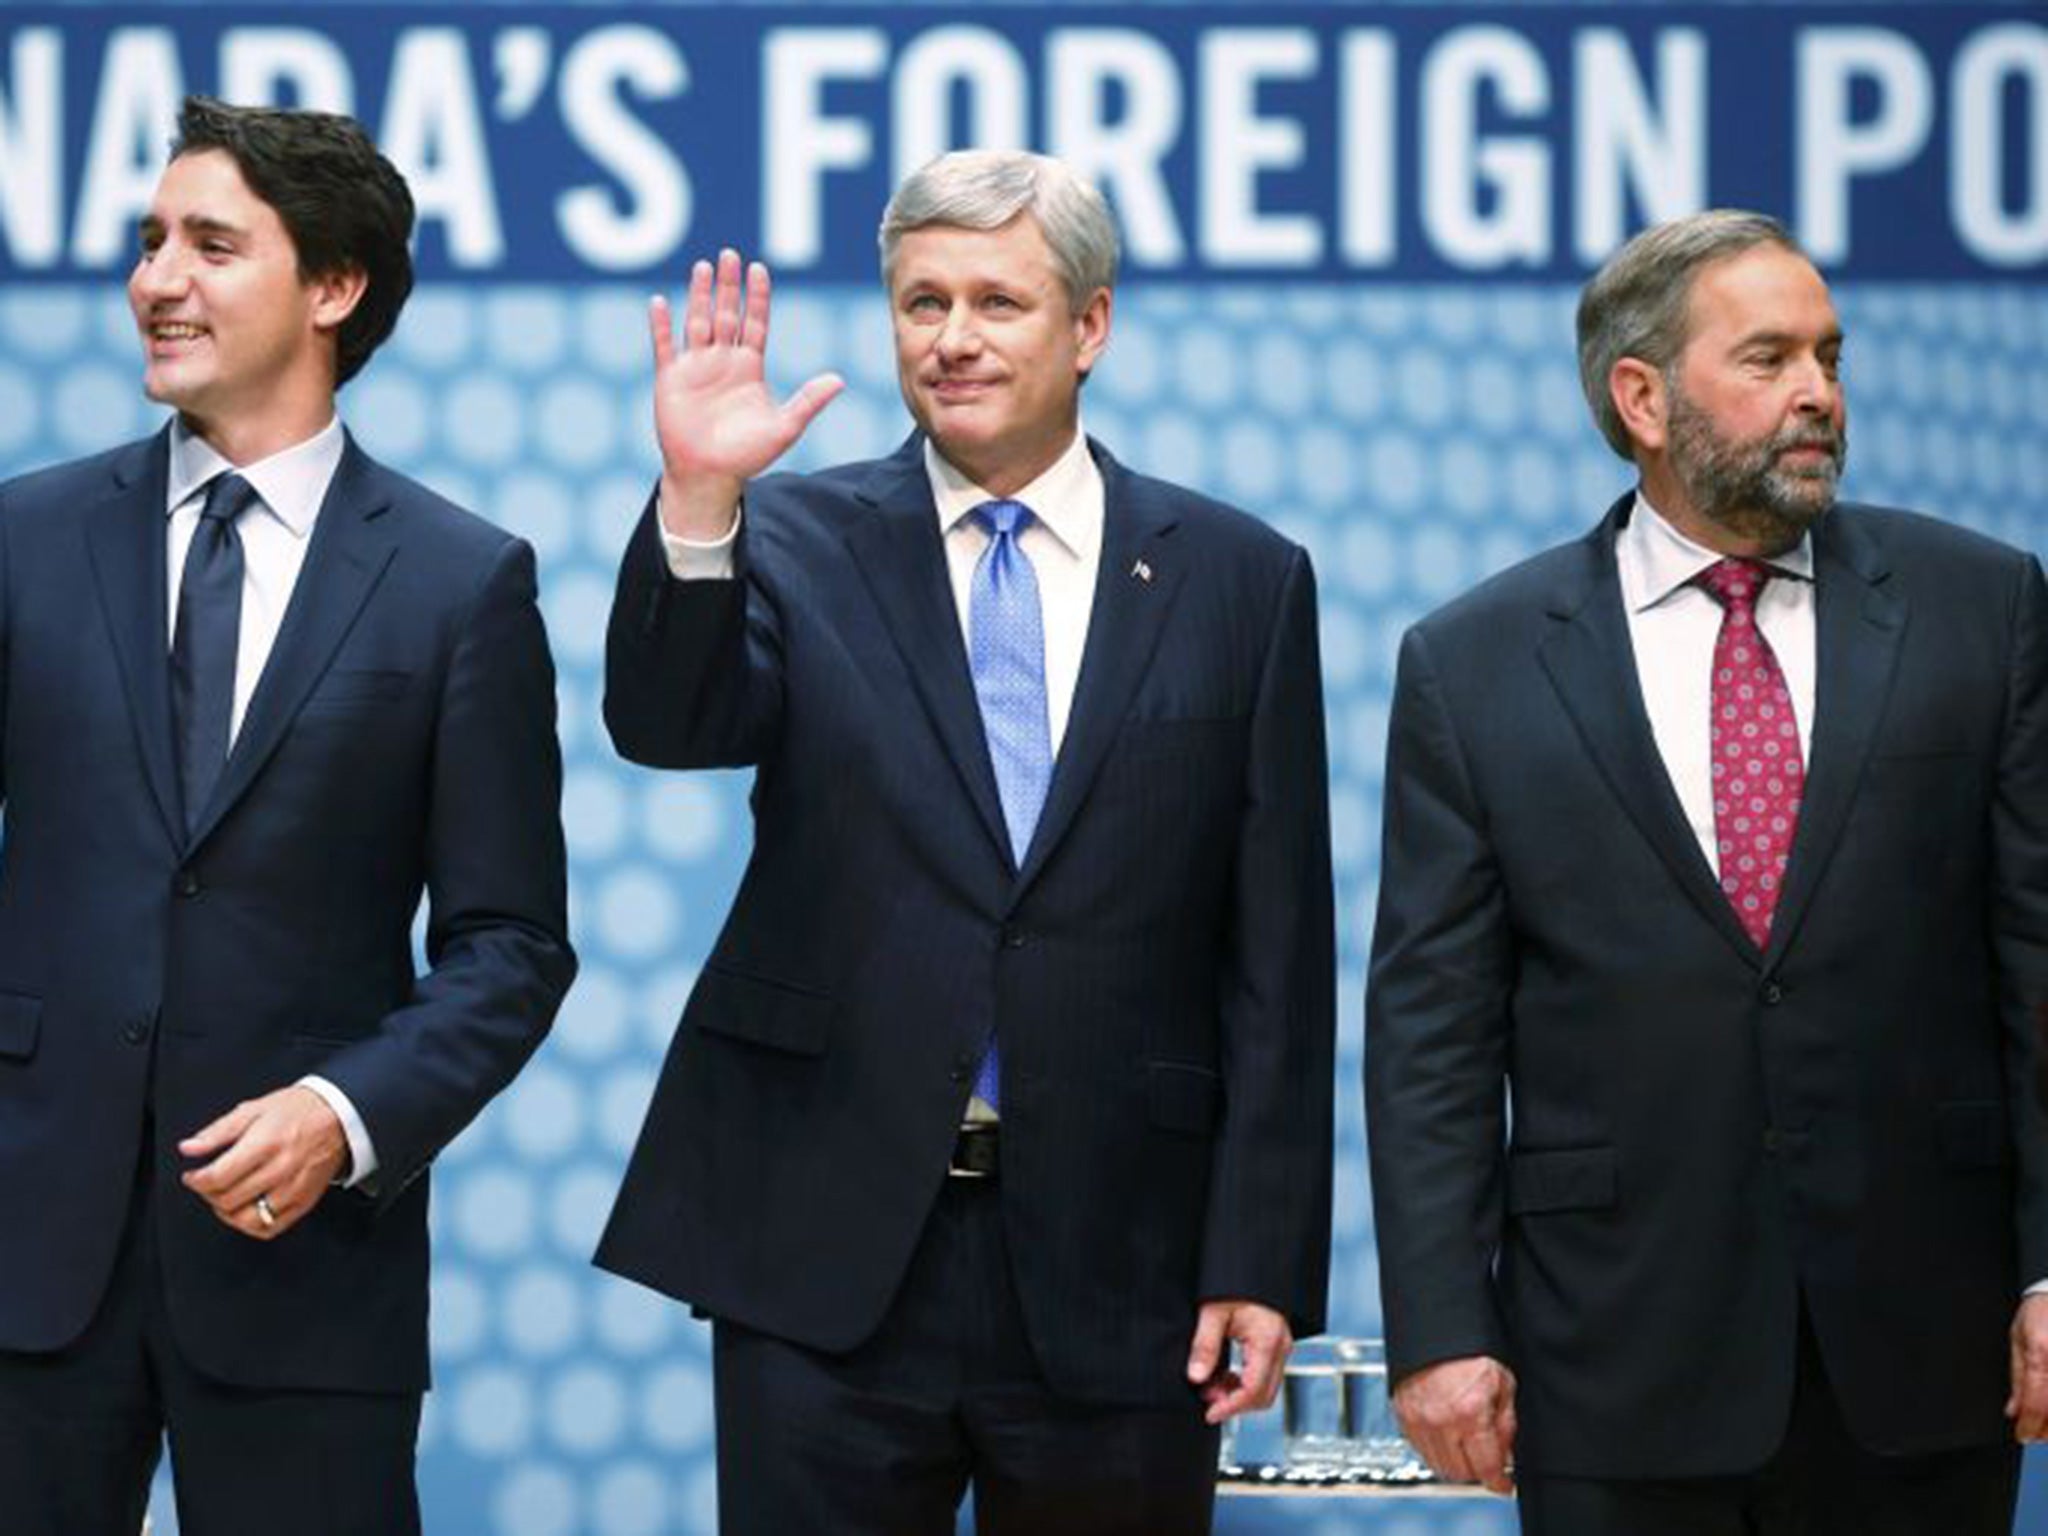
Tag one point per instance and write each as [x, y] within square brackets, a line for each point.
[986, 188]
[1639, 304]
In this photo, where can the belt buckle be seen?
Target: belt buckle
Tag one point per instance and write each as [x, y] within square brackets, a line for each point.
[975, 1152]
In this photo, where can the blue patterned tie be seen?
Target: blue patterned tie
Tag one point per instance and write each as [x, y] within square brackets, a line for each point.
[204, 643]
[1006, 652]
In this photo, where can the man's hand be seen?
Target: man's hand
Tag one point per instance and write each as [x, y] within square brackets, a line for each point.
[2027, 1407]
[1263, 1340]
[717, 424]
[285, 1147]
[1460, 1414]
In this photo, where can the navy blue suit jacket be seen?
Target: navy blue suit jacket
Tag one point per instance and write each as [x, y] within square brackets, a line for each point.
[1159, 970]
[1703, 1133]
[401, 738]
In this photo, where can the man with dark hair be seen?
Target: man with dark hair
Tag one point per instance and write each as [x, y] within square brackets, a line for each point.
[344, 206]
[257, 694]
[1704, 1028]
[1002, 1110]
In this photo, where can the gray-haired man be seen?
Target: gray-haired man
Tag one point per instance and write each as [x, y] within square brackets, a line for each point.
[1717, 843]
[1002, 1108]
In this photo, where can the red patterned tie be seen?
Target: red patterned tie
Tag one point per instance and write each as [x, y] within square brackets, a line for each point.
[1759, 775]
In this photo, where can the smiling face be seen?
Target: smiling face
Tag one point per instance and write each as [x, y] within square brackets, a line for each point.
[231, 334]
[1755, 428]
[990, 352]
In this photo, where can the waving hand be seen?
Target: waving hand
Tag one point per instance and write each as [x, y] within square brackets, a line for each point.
[717, 422]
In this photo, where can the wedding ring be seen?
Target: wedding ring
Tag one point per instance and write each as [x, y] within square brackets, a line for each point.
[264, 1213]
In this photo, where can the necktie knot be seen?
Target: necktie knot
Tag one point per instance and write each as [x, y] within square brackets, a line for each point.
[1002, 519]
[1734, 583]
[227, 499]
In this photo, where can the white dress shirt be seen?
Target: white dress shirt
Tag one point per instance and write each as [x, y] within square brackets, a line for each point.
[275, 532]
[1672, 626]
[1063, 542]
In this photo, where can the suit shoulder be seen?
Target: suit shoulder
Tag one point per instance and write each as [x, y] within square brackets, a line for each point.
[831, 483]
[1244, 534]
[790, 507]
[61, 488]
[448, 529]
[1523, 591]
[1917, 540]
[796, 489]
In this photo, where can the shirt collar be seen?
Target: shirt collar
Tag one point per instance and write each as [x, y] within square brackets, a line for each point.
[292, 482]
[1067, 498]
[1657, 560]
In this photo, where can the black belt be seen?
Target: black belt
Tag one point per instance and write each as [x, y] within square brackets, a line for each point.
[975, 1152]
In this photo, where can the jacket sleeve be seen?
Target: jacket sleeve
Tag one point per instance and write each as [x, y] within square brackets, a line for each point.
[1436, 1039]
[1267, 1228]
[497, 942]
[2019, 846]
[692, 669]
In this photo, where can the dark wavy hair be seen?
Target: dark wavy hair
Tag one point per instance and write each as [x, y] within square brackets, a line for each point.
[344, 205]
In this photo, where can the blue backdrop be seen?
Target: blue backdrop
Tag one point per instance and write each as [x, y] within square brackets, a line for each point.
[1356, 239]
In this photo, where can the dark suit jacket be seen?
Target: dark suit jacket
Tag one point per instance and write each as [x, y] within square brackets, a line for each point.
[1159, 971]
[401, 738]
[1701, 1133]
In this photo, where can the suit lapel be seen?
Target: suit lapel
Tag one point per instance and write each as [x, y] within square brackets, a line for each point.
[125, 537]
[898, 552]
[352, 544]
[1858, 624]
[1591, 662]
[1134, 590]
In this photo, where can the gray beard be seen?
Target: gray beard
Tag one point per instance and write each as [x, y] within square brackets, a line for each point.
[1742, 487]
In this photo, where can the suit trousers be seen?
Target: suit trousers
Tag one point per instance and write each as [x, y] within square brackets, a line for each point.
[1820, 1482]
[82, 1428]
[886, 1439]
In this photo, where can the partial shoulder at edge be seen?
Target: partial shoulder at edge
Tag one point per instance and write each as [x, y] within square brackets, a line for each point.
[1911, 537]
[1245, 533]
[1554, 578]
[801, 489]
[790, 509]
[430, 514]
[69, 484]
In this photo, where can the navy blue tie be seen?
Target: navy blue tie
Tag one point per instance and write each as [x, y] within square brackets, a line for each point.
[203, 645]
[1006, 653]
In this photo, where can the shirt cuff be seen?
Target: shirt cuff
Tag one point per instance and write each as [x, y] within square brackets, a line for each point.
[2038, 1288]
[362, 1155]
[699, 559]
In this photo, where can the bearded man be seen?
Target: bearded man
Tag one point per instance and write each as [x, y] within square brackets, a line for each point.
[1704, 1023]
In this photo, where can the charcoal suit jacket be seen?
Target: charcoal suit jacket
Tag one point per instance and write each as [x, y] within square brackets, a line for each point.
[1613, 1142]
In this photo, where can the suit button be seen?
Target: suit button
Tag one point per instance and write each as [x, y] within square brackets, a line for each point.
[1772, 994]
[1772, 1140]
[187, 882]
[960, 1069]
[1015, 938]
[136, 1030]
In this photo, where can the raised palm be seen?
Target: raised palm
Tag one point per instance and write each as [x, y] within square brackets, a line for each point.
[717, 423]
